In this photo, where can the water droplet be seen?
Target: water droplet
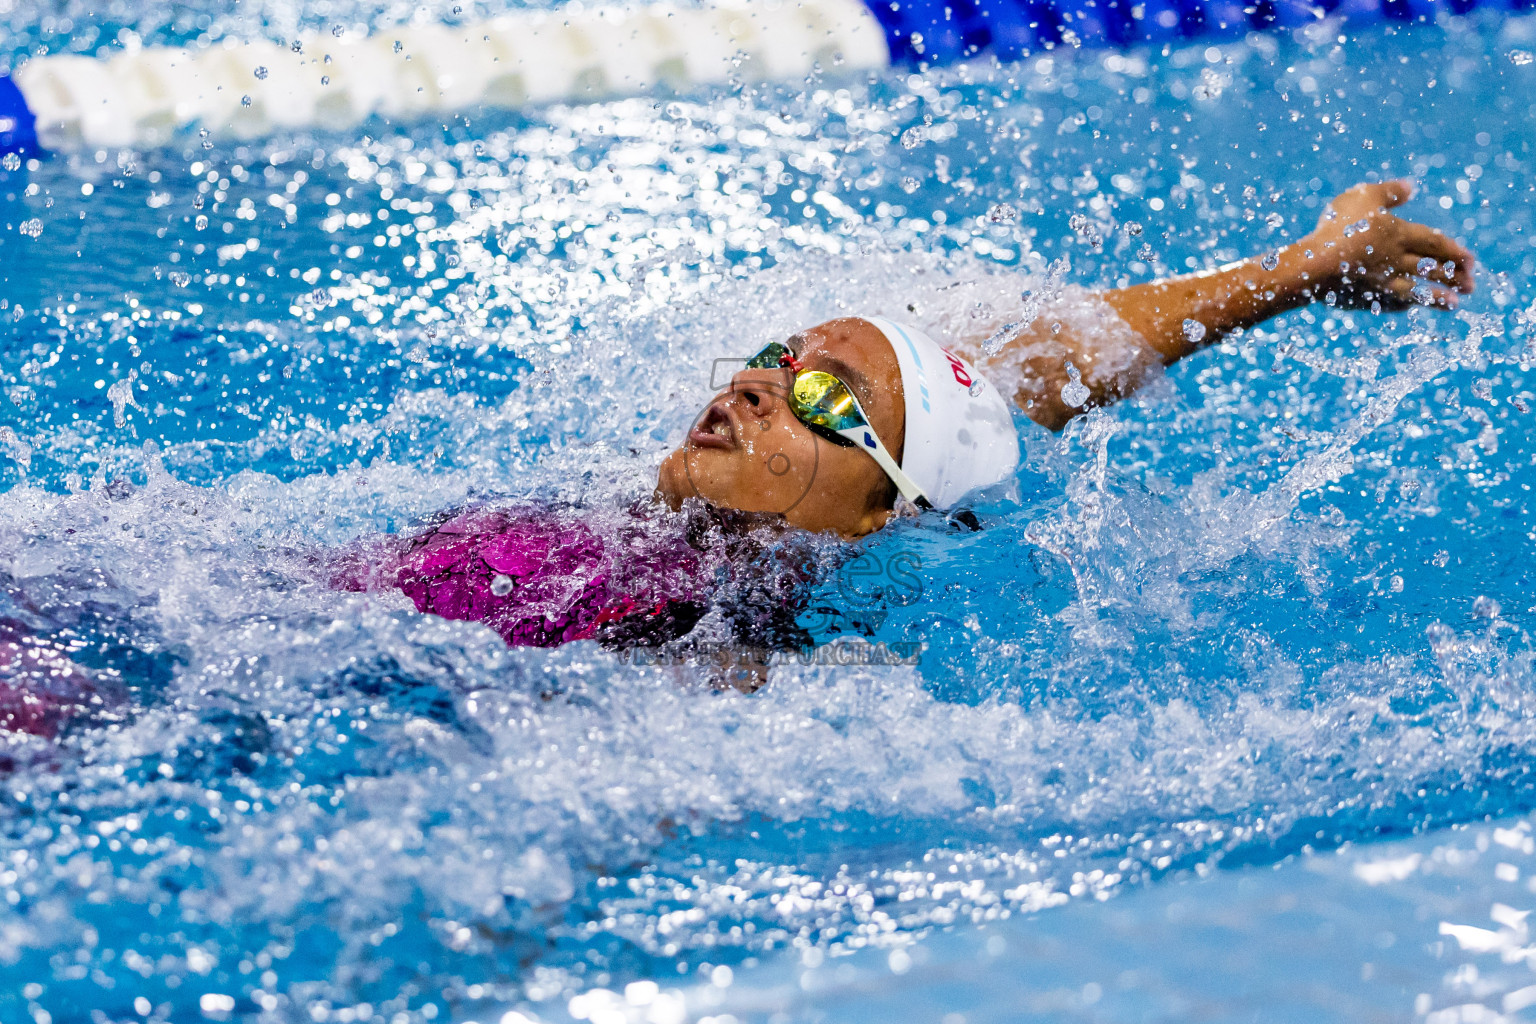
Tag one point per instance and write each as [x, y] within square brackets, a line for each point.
[1000, 337]
[1275, 220]
[913, 137]
[180, 278]
[501, 585]
[399, 46]
[325, 79]
[1074, 392]
[15, 447]
[201, 223]
[1133, 228]
[1426, 267]
[1194, 331]
[261, 72]
[1087, 230]
[11, 162]
[1485, 607]
[910, 185]
[1270, 260]
[31, 228]
[120, 394]
[1520, 58]
[298, 47]
[977, 387]
[337, 31]
[1002, 213]
[245, 100]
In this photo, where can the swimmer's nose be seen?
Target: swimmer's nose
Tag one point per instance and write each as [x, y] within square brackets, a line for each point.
[756, 390]
[755, 398]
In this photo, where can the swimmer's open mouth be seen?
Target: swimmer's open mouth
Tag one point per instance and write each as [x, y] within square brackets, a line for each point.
[715, 429]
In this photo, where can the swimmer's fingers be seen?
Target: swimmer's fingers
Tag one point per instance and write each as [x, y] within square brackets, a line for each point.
[1404, 291]
[1368, 198]
[1424, 242]
[1383, 194]
[1418, 265]
[1393, 294]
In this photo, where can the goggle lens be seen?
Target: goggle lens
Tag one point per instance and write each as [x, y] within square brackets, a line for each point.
[822, 400]
[817, 399]
[770, 358]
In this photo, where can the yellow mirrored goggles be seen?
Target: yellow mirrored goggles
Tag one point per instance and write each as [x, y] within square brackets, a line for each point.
[824, 403]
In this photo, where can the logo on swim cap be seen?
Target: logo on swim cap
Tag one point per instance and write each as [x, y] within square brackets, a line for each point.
[958, 437]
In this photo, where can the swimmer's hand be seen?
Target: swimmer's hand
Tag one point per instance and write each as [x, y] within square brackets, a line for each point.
[1360, 257]
[1370, 259]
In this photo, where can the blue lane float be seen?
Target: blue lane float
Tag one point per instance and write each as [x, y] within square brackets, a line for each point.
[144, 97]
[937, 32]
[18, 128]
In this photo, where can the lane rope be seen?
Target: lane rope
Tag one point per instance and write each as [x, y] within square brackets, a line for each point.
[142, 97]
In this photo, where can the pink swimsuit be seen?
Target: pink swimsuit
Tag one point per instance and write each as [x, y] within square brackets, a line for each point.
[541, 578]
[41, 689]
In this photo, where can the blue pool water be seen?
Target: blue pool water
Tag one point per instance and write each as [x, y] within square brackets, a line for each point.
[1277, 606]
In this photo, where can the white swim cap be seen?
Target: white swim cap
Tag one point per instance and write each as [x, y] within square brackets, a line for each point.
[960, 434]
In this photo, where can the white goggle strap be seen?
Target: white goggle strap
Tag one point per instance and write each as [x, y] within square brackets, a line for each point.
[865, 438]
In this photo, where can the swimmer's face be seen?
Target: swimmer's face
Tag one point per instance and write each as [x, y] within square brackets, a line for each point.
[748, 451]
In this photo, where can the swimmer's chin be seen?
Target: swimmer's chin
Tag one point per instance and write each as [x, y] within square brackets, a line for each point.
[678, 489]
[667, 492]
[685, 475]
[679, 492]
[662, 497]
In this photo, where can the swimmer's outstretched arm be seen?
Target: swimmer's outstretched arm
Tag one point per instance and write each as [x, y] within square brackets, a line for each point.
[1361, 254]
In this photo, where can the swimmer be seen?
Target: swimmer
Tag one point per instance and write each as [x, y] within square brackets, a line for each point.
[832, 431]
[825, 437]
[933, 430]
